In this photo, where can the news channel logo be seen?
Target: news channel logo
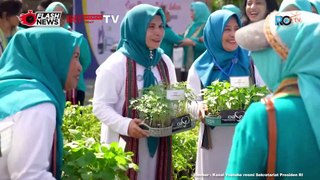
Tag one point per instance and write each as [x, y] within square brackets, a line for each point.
[287, 19]
[41, 18]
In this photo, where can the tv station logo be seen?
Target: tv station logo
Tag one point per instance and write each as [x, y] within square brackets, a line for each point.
[288, 19]
[41, 18]
[90, 18]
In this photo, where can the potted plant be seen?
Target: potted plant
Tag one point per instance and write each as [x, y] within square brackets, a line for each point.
[164, 108]
[227, 104]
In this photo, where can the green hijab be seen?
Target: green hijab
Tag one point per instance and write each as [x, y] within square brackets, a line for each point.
[303, 5]
[36, 65]
[85, 56]
[133, 44]
[133, 39]
[303, 62]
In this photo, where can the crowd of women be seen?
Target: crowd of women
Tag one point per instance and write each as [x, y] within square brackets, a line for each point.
[278, 136]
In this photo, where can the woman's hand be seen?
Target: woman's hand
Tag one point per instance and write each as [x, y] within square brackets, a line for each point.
[203, 110]
[135, 131]
[187, 42]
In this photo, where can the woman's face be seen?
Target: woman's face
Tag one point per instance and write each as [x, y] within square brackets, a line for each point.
[13, 21]
[192, 14]
[256, 10]
[155, 33]
[74, 71]
[228, 40]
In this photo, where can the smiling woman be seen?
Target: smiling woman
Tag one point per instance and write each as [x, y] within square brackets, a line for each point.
[256, 10]
[33, 75]
[222, 60]
[137, 64]
[155, 33]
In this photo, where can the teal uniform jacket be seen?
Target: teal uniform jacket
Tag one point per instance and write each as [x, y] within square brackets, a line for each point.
[169, 40]
[297, 150]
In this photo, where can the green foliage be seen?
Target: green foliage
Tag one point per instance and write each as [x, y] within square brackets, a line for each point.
[87, 159]
[158, 111]
[222, 96]
[79, 122]
[184, 152]
[153, 106]
[84, 157]
[180, 107]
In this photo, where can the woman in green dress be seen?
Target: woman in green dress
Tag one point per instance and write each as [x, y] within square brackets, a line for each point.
[194, 31]
[291, 70]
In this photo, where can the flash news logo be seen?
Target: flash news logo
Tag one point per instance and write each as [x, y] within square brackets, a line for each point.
[41, 18]
[287, 20]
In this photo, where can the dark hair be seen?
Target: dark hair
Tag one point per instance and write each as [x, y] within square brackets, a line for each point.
[45, 3]
[11, 7]
[271, 6]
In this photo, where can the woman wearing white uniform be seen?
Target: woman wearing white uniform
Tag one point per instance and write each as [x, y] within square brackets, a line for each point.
[222, 60]
[138, 63]
[35, 68]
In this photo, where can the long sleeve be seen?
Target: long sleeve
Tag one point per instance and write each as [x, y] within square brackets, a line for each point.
[193, 82]
[171, 37]
[108, 95]
[249, 151]
[31, 137]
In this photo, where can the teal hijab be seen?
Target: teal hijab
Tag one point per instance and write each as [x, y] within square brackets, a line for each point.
[232, 8]
[51, 8]
[234, 63]
[201, 14]
[133, 45]
[316, 4]
[303, 62]
[303, 5]
[85, 56]
[36, 65]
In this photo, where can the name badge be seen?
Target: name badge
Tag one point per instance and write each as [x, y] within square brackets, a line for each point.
[175, 95]
[240, 82]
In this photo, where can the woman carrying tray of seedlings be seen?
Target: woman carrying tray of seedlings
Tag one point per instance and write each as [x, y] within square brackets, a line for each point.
[137, 64]
[288, 60]
[222, 60]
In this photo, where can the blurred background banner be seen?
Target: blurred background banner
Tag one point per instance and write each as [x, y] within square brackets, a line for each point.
[104, 34]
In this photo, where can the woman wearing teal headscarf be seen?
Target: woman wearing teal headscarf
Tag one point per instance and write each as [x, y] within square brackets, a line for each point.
[222, 60]
[33, 74]
[137, 64]
[76, 96]
[292, 5]
[171, 38]
[199, 16]
[291, 70]
[315, 6]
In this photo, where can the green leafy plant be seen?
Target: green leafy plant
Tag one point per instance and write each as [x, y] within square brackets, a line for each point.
[184, 157]
[180, 107]
[158, 111]
[84, 157]
[222, 96]
[87, 159]
[153, 107]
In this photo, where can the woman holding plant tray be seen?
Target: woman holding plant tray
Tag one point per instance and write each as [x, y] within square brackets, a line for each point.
[222, 60]
[137, 64]
[288, 59]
